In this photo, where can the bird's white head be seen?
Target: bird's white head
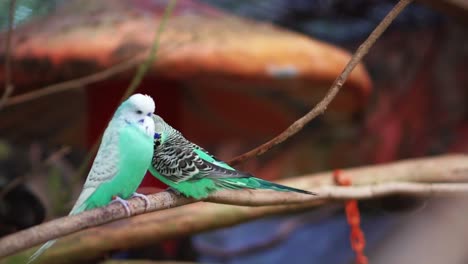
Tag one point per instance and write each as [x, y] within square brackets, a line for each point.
[138, 110]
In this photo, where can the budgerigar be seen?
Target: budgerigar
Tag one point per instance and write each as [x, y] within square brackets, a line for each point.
[192, 171]
[122, 159]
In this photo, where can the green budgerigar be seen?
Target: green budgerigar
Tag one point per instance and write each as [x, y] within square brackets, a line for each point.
[192, 171]
[122, 160]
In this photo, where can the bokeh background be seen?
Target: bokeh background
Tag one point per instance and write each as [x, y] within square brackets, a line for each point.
[231, 75]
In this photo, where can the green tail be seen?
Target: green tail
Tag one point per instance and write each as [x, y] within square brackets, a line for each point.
[50, 243]
[256, 183]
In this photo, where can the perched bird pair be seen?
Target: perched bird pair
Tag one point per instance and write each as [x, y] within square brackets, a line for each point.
[137, 140]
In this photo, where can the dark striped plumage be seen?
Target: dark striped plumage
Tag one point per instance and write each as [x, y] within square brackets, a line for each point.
[194, 172]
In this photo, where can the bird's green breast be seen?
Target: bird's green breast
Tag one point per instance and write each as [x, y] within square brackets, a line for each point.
[136, 152]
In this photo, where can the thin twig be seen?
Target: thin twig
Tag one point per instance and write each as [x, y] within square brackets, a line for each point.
[334, 89]
[143, 68]
[380, 180]
[75, 83]
[11, 185]
[58, 155]
[79, 82]
[20, 179]
[9, 88]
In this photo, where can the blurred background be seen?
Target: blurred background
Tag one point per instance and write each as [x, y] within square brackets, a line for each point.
[231, 74]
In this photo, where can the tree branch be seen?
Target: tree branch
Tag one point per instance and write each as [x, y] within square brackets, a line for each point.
[9, 88]
[75, 83]
[143, 68]
[334, 89]
[264, 198]
[99, 76]
[382, 180]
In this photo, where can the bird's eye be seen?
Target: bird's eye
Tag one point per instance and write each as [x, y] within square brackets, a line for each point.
[139, 112]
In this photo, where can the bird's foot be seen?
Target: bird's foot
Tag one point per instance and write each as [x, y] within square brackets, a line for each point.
[173, 190]
[124, 203]
[144, 197]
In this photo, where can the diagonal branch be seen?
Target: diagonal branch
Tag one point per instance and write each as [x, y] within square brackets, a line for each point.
[76, 83]
[376, 181]
[102, 75]
[334, 89]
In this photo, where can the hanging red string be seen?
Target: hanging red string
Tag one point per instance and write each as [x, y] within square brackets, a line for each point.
[358, 241]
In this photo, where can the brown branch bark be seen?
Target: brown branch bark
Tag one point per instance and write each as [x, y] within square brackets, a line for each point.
[334, 89]
[9, 88]
[371, 181]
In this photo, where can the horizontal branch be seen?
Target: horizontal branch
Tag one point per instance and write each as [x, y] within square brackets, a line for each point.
[263, 198]
[452, 168]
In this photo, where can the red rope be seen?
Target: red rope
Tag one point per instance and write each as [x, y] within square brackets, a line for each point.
[358, 241]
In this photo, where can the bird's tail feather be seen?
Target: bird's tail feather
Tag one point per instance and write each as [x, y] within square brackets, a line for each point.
[282, 188]
[41, 250]
[76, 209]
[256, 183]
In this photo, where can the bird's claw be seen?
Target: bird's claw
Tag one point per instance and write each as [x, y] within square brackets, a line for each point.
[144, 197]
[124, 203]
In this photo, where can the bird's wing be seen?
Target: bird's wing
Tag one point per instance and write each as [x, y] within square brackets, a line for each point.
[179, 164]
[104, 168]
[208, 157]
